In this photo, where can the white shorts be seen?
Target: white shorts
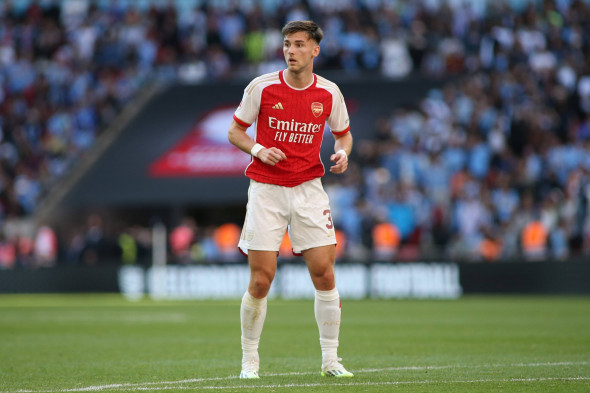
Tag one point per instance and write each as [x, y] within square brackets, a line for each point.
[303, 210]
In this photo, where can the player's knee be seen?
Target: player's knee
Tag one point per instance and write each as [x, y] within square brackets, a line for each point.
[324, 280]
[260, 285]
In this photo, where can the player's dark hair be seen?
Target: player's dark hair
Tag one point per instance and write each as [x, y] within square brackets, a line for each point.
[311, 28]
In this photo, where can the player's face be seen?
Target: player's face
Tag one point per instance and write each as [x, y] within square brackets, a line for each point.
[299, 51]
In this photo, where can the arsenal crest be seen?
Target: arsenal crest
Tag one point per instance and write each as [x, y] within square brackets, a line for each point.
[317, 108]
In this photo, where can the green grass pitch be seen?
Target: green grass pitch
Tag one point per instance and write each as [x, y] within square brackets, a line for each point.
[104, 343]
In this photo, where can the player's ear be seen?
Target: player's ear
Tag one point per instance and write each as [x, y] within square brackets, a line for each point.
[316, 50]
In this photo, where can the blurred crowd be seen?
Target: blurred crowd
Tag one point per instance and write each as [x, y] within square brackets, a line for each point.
[494, 165]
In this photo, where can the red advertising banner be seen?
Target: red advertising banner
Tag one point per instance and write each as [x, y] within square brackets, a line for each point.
[204, 151]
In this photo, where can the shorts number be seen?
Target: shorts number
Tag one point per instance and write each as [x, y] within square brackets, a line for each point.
[331, 224]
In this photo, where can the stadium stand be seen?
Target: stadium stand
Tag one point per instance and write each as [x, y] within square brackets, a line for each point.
[510, 132]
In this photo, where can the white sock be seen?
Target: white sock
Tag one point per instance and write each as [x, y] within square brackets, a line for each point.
[328, 314]
[252, 315]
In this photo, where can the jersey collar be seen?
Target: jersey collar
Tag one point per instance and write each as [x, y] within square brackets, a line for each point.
[282, 77]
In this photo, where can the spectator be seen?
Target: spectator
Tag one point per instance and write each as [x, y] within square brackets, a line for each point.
[181, 240]
[45, 247]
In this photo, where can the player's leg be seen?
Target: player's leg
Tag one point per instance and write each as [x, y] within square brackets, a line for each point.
[320, 262]
[263, 266]
[264, 227]
[312, 234]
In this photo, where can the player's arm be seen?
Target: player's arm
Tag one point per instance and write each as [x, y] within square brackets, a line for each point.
[342, 147]
[238, 137]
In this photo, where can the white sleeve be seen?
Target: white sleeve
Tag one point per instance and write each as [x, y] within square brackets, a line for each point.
[249, 107]
[338, 120]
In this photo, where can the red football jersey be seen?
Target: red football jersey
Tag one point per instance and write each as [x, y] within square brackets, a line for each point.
[292, 120]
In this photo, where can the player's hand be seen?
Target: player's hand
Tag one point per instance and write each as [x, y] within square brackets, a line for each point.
[341, 162]
[271, 156]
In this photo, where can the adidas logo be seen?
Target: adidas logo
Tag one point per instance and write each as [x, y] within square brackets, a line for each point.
[278, 106]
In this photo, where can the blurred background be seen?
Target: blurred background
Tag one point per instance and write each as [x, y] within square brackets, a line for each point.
[471, 122]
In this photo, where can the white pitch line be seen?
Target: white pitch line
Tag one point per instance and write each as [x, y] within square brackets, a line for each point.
[386, 383]
[146, 385]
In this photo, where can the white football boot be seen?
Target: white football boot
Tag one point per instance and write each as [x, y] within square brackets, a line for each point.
[250, 368]
[333, 368]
